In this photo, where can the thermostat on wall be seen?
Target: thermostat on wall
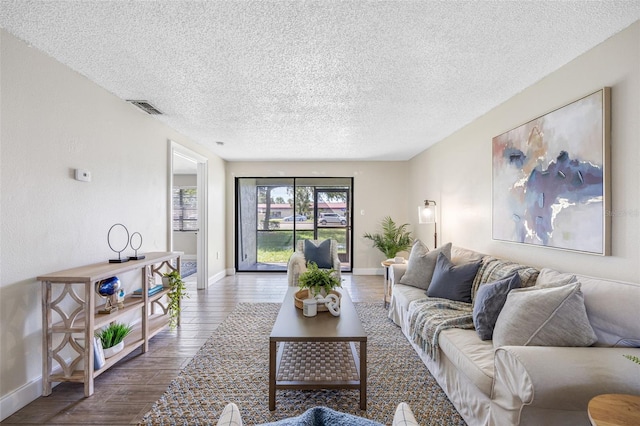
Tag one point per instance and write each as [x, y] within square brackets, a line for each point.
[83, 175]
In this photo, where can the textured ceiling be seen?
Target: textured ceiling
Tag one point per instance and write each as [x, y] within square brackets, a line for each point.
[309, 80]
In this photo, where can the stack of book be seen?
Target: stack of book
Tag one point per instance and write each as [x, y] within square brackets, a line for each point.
[152, 290]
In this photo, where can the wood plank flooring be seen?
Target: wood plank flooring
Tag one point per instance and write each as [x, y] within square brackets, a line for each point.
[128, 390]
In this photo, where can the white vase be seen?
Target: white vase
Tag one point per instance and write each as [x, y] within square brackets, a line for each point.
[109, 352]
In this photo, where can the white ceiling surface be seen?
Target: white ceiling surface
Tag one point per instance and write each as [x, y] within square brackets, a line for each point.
[308, 80]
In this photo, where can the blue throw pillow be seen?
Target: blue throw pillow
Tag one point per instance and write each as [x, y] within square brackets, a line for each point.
[490, 300]
[451, 281]
[320, 254]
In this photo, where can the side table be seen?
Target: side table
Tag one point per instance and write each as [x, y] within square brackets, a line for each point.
[386, 264]
[614, 410]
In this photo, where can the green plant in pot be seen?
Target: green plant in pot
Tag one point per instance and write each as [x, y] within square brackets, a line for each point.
[393, 239]
[317, 280]
[112, 337]
[178, 291]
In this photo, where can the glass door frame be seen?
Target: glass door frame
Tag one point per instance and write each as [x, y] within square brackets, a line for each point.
[322, 184]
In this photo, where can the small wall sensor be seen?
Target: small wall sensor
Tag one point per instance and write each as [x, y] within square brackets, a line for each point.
[83, 175]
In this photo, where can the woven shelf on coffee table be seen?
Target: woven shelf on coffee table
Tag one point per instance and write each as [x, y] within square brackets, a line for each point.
[317, 361]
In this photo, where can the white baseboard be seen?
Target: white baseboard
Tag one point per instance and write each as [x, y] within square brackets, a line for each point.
[367, 271]
[188, 257]
[19, 398]
[216, 277]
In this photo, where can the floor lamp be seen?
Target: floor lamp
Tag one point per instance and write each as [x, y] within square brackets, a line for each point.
[427, 214]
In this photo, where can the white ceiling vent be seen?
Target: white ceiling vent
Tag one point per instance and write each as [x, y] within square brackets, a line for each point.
[146, 107]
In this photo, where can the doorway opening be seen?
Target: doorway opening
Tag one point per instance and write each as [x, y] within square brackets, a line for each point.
[273, 214]
[188, 211]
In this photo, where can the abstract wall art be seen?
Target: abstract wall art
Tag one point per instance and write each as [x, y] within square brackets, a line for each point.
[550, 178]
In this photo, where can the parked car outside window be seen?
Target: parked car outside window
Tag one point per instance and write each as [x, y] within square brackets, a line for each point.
[299, 218]
[332, 218]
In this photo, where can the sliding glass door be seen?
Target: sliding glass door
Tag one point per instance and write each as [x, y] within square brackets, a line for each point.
[273, 214]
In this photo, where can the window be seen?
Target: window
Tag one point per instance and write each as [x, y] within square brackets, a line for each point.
[185, 208]
[274, 214]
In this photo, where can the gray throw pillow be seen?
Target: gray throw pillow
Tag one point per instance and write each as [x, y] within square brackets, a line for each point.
[421, 264]
[488, 303]
[320, 254]
[451, 281]
[548, 316]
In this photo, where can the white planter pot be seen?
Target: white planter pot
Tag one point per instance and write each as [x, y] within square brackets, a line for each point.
[109, 352]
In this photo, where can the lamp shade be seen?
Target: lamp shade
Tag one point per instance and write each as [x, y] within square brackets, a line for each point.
[427, 213]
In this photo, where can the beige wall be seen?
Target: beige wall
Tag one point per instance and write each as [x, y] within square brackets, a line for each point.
[53, 121]
[457, 171]
[379, 190]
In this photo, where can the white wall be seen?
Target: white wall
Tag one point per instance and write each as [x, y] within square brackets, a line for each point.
[53, 121]
[457, 171]
[379, 190]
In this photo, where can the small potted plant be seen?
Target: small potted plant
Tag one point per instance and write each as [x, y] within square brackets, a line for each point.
[318, 280]
[112, 337]
[393, 239]
[178, 291]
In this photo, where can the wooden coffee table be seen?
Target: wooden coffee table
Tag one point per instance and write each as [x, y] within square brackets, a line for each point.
[317, 352]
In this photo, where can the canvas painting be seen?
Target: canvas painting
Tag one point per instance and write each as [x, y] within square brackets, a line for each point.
[550, 179]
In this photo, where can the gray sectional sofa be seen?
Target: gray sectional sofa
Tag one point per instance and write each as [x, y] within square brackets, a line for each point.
[530, 385]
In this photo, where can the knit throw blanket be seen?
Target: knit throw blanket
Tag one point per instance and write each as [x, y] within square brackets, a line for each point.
[428, 317]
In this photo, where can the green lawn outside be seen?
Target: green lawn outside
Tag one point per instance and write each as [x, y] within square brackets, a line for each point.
[277, 246]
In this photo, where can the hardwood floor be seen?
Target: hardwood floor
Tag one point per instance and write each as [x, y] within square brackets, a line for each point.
[127, 391]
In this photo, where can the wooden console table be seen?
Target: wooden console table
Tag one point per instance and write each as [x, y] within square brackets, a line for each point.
[70, 297]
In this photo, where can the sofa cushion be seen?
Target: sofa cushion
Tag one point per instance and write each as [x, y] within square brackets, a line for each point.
[553, 316]
[451, 281]
[494, 269]
[421, 264]
[319, 254]
[471, 356]
[489, 302]
[403, 295]
[617, 326]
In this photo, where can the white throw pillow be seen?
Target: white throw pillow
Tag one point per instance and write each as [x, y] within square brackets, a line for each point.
[548, 316]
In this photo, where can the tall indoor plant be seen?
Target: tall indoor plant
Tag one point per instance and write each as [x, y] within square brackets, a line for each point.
[393, 239]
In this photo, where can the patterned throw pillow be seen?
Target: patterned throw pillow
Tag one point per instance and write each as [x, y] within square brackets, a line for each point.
[320, 254]
[422, 263]
[548, 316]
[451, 281]
[488, 303]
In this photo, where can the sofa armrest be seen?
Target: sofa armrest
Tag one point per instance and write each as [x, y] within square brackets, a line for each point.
[558, 378]
[396, 271]
[296, 266]
[336, 267]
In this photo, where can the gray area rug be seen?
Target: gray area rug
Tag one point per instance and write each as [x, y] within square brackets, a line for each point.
[188, 267]
[233, 366]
